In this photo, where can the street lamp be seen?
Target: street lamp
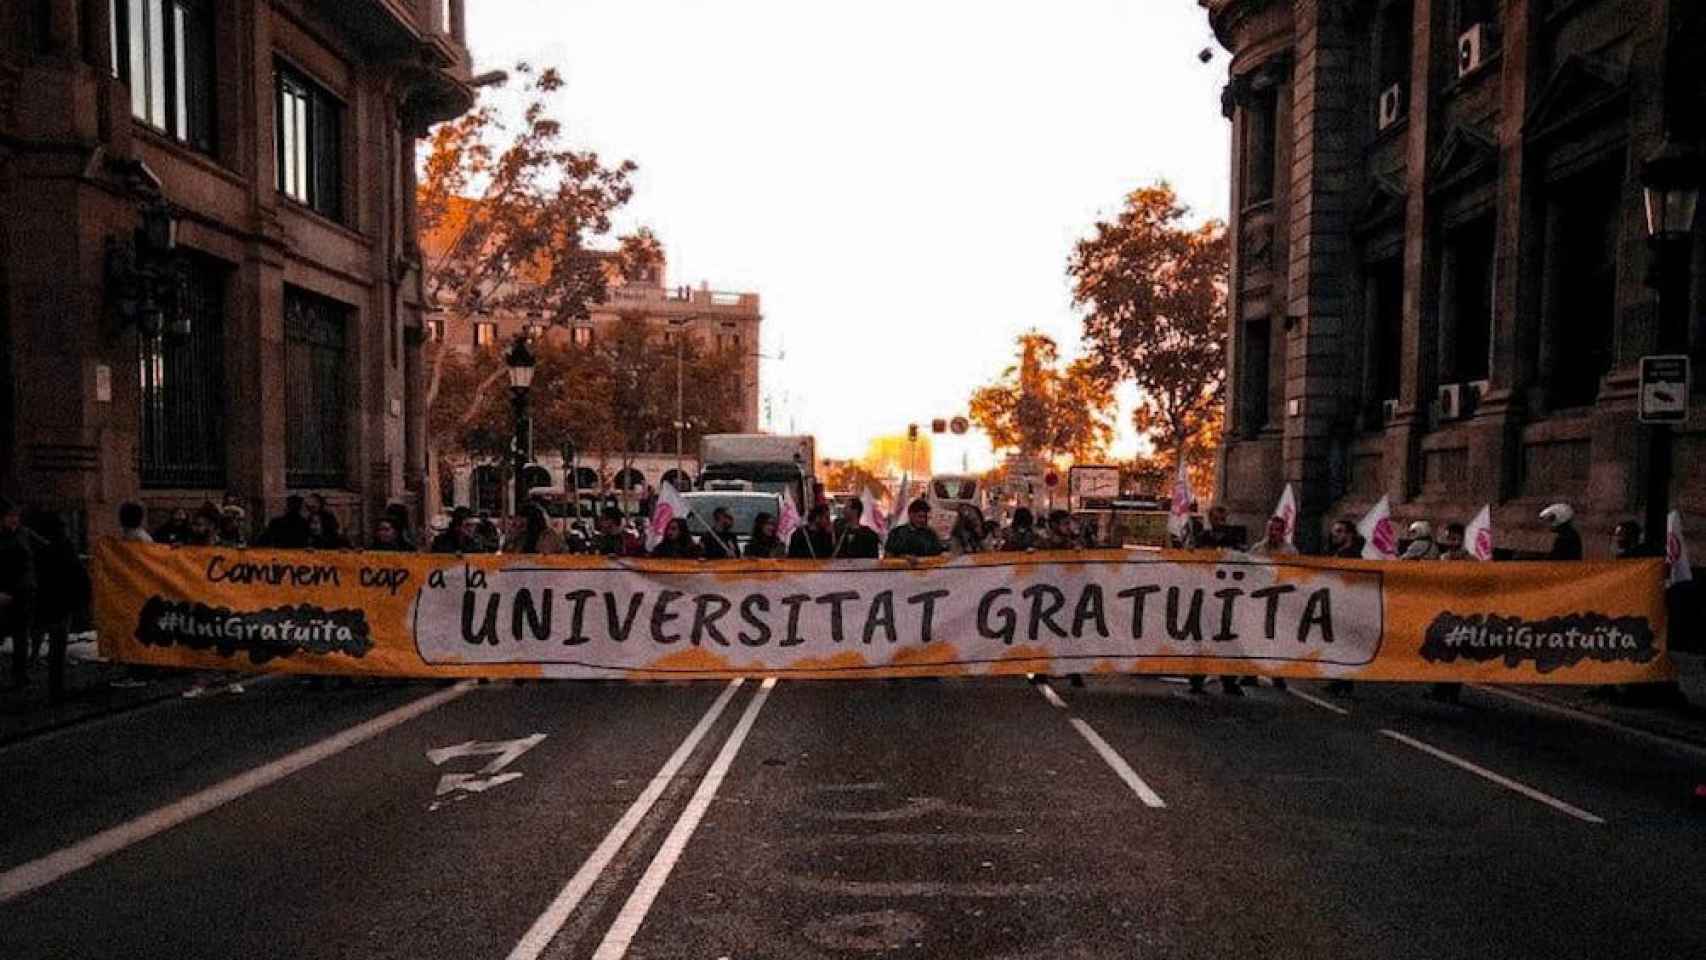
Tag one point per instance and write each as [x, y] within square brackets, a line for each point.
[521, 363]
[680, 325]
[1670, 184]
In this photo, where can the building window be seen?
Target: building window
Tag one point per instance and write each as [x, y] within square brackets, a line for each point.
[315, 395]
[1386, 327]
[1261, 135]
[1396, 23]
[182, 440]
[583, 336]
[1583, 264]
[485, 333]
[1468, 334]
[163, 49]
[1258, 352]
[310, 144]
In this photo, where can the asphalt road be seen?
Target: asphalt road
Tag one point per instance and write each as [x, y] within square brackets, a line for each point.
[799, 820]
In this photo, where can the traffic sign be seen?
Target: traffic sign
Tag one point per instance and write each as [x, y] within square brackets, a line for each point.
[1664, 389]
[938, 425]
[959, 425]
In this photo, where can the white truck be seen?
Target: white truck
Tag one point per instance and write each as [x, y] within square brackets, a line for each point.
[771, 463]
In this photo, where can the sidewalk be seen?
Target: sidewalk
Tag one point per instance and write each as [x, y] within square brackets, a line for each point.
[93, 687]
[1641, 708]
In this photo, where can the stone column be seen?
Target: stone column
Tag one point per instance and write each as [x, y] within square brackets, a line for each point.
[1323, 171]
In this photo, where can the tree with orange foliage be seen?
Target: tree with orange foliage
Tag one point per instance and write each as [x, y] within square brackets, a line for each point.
[894, 455]
[1039, 408]
[510, 210]
[1154, 294]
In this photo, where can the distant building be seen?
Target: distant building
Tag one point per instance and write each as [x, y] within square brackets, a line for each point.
[261, 336]
[714, 319]
[1437, 277]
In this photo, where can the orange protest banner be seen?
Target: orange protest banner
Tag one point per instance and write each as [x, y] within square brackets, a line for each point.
[419, 615]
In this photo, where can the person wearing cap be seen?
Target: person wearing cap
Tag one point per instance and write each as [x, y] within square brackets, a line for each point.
[914, 538]
[1566, 542]
[1422, 545]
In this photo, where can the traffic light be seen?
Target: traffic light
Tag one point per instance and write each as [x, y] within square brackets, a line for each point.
[912, 432]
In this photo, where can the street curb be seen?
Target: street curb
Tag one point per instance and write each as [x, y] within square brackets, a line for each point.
[1693, 745]
[176, 691]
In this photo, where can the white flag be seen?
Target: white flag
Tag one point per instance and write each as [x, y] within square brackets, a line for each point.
[1478, 536]
[872, 516]
[1179, 517]
[669, 507]
[1379, 539]
[1286, 510]
[897, 509]
[789, 521]
[1676, 551]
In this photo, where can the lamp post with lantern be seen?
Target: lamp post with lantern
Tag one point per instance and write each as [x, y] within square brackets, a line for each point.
[1670, 185]
[521, 362]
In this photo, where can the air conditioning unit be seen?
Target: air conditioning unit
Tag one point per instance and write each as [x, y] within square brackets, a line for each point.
[1391, 105]
[1388, 411]
[1450, 403]
[1473, 48]
[1473, 391]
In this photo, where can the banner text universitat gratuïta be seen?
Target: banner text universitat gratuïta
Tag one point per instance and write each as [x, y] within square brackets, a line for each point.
[423, 615]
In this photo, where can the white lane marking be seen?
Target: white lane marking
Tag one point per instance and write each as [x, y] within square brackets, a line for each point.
[544, 929]
[1646, 736]
[627, 924]
[39, 873]
[1106, 751]
[1306, 698]
[1502, 781]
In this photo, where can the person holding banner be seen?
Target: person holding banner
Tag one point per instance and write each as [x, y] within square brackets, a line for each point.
[855, 541]
[815, 540]
[678, 542]
[718, 543]
[614, 538]
[914, 538]
[1276, 542]
[764, 543]
[1344, 541]
[1022, 535]
[535, 534]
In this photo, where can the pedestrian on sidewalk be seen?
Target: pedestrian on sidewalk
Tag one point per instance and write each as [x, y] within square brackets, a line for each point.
[131, 517]
[62, 594]
[854, 540]
[914, 538]
[17, 588]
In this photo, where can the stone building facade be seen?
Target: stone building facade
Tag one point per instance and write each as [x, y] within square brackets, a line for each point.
[1438, 276]
[209, 276]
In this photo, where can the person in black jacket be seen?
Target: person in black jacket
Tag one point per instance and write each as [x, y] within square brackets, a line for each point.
[718, 543]
[677, 542]
[815, 540]
[62, 594]
[855, 541]
[17, 587]
[1566, 542]
[289, 530]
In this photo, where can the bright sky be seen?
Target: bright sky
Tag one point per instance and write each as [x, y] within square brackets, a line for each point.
[901, 180]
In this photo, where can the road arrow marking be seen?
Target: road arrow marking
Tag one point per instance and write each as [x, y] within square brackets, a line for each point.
[502, 752]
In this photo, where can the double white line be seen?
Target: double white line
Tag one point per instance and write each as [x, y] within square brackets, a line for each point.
[627, 923]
